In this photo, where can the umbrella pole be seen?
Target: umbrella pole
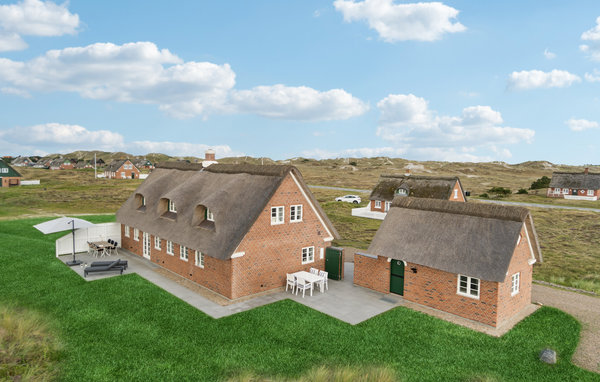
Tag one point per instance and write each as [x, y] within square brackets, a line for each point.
[73, 262]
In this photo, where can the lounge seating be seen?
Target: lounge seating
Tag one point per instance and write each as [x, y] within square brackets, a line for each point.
[120, 263]
[111, 267]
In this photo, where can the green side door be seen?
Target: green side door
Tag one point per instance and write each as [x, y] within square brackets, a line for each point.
[397, 277]
[333, 262]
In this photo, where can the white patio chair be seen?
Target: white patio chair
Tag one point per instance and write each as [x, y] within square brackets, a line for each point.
[314, 271]
[302, 284]
[324, 281]
[291, 281]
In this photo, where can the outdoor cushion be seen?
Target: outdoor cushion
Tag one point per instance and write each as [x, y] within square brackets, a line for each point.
[121, 263]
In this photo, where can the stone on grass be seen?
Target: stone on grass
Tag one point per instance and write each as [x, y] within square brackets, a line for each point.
[548, 356]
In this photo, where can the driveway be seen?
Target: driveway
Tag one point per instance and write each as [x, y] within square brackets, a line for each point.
[587, 310]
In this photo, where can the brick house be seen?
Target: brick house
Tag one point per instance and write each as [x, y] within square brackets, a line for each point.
[234, 229]
[418, 186]
[9, 177]
[61, 164]
[22, 162]
[469, 259]
[582, 186]
[121, 169]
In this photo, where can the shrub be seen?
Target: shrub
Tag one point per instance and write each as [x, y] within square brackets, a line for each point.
[542, 182]
[499, 192]
[484, 195]
[522, 191]
[353, 163]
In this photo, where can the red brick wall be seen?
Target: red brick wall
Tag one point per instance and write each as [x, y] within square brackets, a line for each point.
[460, 197]
[581, 192]
[372, 273]
[510, 305]
[10, 181]
[127, 172]
[271, 251]
[380, 209]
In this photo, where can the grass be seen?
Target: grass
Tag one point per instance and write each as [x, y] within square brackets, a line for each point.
[125, 328]
[29, 350]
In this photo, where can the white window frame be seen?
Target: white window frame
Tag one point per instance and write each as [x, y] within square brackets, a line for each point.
[184, 253]
[309, 254]
[209, 215]
[388, 205]
[171, 206]
[279, 217]
[157, 243]
[199, 259]
[170, 248]
[515, 282]
[565, 190]
[296, 213]
[590, 193]
[378, 204]
[126, 229]
[468, 291]
[123, 174]
[136, 234]
[455, 193]
[557, 190]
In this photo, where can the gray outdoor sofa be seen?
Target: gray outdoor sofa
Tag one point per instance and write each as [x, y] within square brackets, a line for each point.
[113, 266]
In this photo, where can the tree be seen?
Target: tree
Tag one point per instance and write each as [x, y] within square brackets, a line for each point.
[543, 182]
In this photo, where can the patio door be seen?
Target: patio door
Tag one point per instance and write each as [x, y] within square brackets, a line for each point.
[397, 277]
[146, 245]
[333, 262]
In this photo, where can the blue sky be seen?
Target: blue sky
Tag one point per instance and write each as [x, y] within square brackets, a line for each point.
[456, 80]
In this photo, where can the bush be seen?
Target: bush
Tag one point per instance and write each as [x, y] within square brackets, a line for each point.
[499, 192]
[353, 163]
[522, 191]
[484, 195]
[542, 182]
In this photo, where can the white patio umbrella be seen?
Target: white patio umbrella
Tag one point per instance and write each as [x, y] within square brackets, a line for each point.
[64, 224]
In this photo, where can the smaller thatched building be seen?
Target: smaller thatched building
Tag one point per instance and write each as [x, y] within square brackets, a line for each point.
[583, 186]
[470, 259]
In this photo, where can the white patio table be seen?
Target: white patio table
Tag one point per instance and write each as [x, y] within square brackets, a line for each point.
[311, 278]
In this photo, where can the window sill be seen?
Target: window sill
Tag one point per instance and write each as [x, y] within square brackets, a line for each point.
[308, 262]
[280, 223]
[514, 294]
[207, 224]
[467, 295]
[295, 221]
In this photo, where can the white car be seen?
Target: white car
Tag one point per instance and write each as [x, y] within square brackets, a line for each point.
[349, 198]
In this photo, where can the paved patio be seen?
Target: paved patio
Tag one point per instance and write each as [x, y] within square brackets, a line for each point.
[343, 300]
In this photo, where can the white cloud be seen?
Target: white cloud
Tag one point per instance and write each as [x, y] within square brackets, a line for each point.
[549, 55]
[133, 72]
[368, 152]
[533, 79]
[407, 121]
[581, 124]
[298, 103]
[593, 77]
[179, 148]
[402, 22]
[34, 18]
[592, 36]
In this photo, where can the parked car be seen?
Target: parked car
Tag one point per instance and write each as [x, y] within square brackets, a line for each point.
[349, 198]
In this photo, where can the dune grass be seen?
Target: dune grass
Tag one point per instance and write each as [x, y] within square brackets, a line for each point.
[125, 328]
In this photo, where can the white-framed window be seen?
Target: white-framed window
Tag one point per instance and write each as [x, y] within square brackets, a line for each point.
[401, 191]
[557, 190]
[277, 215]
[565, 191]
[171, 206]
[122, 174]
[183, 253]
[136, 234]
[468, 286]
[388, 205]
[143, 200]
[157, 242]
[308, 255]
[378, 204]
[199, 259]
[169, 247]
[590, 192]
[455, 194]
[514, 284]
[296, 213]
[209, 215]
[126, 229]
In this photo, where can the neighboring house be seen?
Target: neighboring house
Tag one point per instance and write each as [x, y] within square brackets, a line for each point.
[418, 186]
[121, 169]
[143, 163]
[234, 229]
[582, 186]
[22, 162]
[60, 164]
[81, 164]
[9, 177]
[99, 162]
[469, 259]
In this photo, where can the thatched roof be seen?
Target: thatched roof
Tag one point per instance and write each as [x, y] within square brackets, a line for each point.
[416, 186]
[589, 181]
[236, 195]
[180, 165]
[472, 239]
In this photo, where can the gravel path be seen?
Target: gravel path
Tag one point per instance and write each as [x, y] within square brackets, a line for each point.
[587, 310]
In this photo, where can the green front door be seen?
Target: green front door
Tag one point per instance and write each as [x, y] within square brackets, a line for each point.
[397, 277]
[333, 263]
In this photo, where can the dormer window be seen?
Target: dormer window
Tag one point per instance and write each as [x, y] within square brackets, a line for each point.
[203, 217]
[140, 202]
[171, 206]
[209, 215]
[402, 191]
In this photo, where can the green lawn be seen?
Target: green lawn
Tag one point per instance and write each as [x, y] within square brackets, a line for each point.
[125, 328]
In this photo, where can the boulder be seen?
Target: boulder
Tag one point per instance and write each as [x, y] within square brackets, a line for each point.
[548, 356]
